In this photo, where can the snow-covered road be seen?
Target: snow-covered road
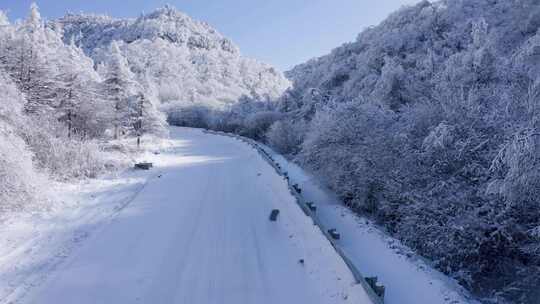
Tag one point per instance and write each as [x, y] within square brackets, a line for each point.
[199, 233]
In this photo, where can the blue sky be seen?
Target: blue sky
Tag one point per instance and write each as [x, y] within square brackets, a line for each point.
[280, 32]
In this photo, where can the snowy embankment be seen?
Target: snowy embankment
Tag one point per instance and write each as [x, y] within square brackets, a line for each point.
[193, 230]
[408, 278]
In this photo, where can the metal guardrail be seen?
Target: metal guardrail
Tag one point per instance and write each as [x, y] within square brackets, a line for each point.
[304, 205]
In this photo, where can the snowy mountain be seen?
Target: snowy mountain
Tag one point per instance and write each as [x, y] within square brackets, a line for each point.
[187, 61]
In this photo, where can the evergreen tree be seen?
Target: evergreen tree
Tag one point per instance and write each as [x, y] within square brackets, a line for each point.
[119, 86]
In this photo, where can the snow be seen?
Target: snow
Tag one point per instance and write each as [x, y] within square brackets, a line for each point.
[408, 278]
[194, 229]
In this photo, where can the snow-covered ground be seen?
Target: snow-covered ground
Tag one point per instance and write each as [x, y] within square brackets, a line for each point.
[194, 229]
[408, 279]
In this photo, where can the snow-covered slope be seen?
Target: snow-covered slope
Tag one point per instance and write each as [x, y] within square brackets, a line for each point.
[399, 61]
[187, 61]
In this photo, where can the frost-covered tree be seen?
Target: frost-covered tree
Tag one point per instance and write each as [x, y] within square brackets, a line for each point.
[286, 136]
[121, 89]
[83, 106]
[18, 177]
[133, 97]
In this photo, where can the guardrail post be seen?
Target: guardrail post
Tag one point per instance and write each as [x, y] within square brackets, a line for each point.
[274, 215]
[334, 234]
[378, 289]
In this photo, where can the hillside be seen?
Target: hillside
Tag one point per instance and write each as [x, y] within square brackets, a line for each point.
[429, 123]
[403, 56]
[187, 61]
